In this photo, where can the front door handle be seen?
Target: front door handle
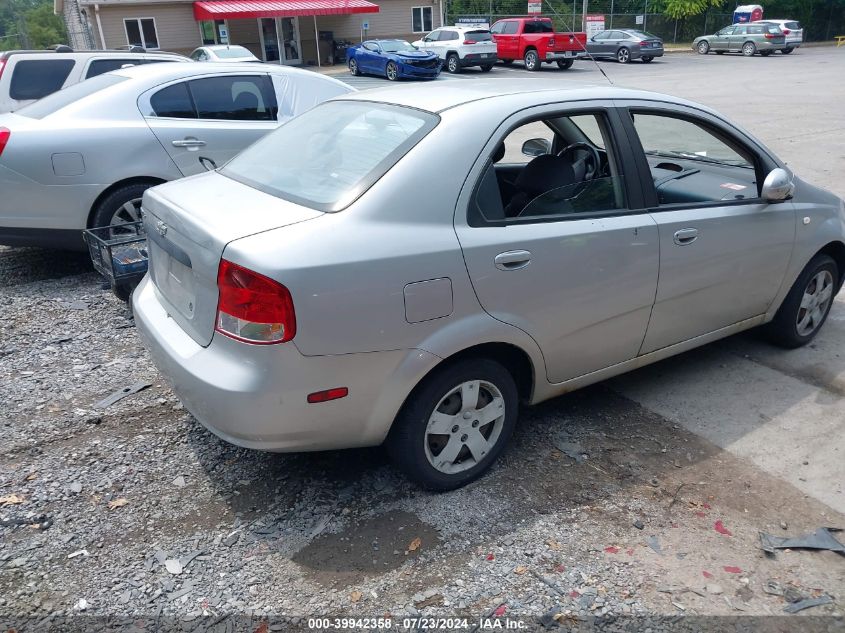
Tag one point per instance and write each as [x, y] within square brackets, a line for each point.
[512, 260]
[188, 142]
[685, 236]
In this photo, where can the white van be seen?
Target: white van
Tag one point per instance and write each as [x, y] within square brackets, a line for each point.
[26, 76]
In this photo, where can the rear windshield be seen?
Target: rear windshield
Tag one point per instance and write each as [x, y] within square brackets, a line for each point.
[58, 100]
[232, 52]
[344, 147]
[479, 36]
[538, 26]
[773, 28]
[36, 78]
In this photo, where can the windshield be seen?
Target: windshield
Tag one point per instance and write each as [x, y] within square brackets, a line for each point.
[328, 157]
[232, 52]
[58, 100]
[479, 36]
[396, 46]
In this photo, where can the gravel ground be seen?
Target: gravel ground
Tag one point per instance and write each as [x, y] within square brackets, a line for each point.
[601, 508]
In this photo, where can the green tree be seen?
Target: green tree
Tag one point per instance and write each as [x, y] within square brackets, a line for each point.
[680, 9]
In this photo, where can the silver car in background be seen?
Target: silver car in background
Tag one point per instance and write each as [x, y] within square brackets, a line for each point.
[792, 30]
[223, 53]
[84, 156]
[364, 291]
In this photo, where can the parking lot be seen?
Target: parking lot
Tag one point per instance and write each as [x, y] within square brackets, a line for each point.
[640, 496]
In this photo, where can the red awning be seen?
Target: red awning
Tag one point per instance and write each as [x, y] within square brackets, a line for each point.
[235, 9]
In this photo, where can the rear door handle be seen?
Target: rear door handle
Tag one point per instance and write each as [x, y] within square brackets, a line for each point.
[685, 236]
[512, 260]
[188, 142]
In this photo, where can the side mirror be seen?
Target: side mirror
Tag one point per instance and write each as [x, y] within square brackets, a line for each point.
[536, 147]
[777, 186]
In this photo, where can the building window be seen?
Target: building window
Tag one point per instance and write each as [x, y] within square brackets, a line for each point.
[214, 32]
[141, 32]
[421, 19]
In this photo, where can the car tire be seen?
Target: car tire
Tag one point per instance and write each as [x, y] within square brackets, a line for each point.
[623, 55]
[453, 63]
[119, 207]
[531, 60]
[391, 71]
[353, 68]
[703, 47]
[647, 59]
[810, 297]
[565, 64]
[415, 449]
[486, 68]
[748, 49]
[786, 51]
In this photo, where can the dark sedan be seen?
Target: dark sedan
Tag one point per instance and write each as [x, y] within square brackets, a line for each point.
[394, 59]
[623, 45]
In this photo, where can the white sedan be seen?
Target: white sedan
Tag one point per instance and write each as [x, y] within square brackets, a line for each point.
[223, 53]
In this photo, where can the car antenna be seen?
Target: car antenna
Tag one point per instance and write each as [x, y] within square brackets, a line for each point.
[584, 46]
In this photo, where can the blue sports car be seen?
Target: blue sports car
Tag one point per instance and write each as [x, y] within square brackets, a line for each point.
[394, 59]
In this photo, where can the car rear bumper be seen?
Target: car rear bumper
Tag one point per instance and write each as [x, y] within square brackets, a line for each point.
[639, 53]
[478, 59]
[255, 396]
[555, 56]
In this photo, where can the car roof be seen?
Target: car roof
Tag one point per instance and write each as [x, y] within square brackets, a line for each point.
[167, 72]
[223, 47]
[444, 95]
[95, 53]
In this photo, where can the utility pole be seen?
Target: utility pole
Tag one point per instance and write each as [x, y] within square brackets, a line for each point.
[584, 15]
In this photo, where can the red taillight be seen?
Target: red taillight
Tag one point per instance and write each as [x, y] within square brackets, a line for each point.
[786, 31]
[770, 36]
[328, 394]
[470, 42]
[5, 133]
[253, 308]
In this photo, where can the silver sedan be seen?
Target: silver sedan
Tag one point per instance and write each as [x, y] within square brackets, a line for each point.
[84, 156]
[366, 291]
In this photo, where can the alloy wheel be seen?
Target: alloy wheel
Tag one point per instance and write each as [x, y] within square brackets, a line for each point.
[452, 64]
[623, 55]
[353, 67]
[128, 212]
[814, 303]
[465, 426]
[703, 48]
[748, 49]
[531, 60]
[392, 71]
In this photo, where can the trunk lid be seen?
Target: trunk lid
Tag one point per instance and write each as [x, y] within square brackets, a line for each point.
[569, 42]
[189, 222]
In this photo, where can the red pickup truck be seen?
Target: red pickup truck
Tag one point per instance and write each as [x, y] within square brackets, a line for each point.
[534, 41]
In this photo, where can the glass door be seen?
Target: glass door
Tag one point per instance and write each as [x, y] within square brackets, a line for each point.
[291, 47]
[269, 39]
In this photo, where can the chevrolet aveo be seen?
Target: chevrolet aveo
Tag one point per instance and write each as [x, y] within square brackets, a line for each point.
[431, 258]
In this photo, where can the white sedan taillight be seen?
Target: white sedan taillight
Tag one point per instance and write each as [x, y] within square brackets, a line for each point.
[253, 308]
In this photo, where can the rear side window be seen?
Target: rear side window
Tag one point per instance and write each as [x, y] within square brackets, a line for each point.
[795, 26]
[58, 100]
[100, 66]
[539, 26]
[174, 102]
[36, 78]
[239, 98]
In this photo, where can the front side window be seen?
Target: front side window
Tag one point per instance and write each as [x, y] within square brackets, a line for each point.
[235, 98]
[511, 28]
[498, 28]
[561, 174]
[343, 148]
[36, 78]
[421, 19]
[691, 162]
[141, 32]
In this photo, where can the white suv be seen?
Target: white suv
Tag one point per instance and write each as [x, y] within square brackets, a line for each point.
[793, 31]
[461, 46]
[26, 76]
